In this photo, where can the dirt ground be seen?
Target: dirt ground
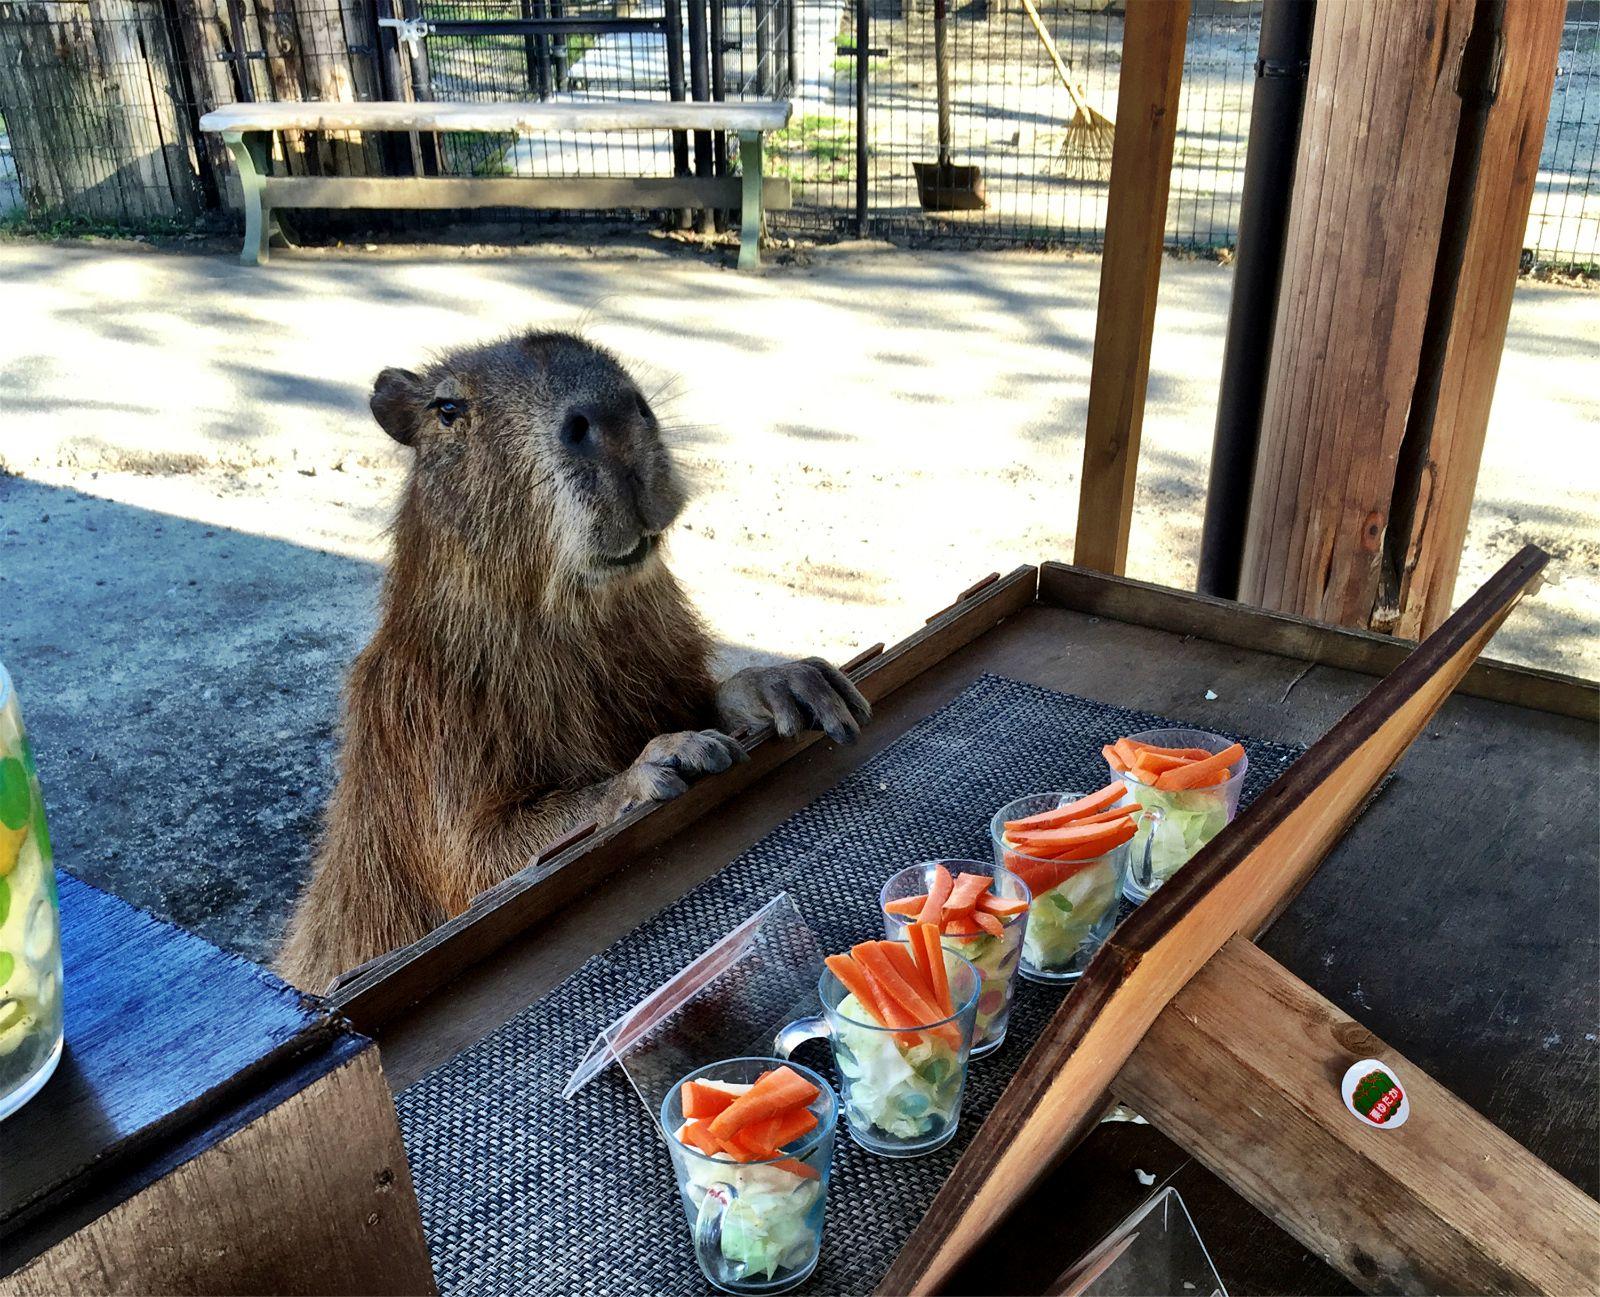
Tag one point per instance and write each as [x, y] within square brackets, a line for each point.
[192, 525]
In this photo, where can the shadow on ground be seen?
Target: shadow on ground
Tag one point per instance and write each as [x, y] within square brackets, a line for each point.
[182, 702]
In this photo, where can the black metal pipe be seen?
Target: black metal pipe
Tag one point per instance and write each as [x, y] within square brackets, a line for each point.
[791, 43]
[672, 22]
[863, 57]
[1478, 86]
[700, 91]
[719, 92]
[1285, 52]
[242, 83]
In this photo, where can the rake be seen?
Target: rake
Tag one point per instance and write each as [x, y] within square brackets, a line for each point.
[1086, 149]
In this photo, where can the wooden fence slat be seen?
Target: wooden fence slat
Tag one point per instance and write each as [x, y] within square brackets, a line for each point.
[1130, 275]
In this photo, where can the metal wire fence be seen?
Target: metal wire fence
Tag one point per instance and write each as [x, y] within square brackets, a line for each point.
[100, 105]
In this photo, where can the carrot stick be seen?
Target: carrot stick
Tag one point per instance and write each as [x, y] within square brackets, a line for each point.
[696, 1136]
[702, 1100]
[964, 895]
[1197, 772]
[919, 953]
[1185, 754]
[906, 905]
[855, 980]
[899, 954]
[989, 923]
[940, 978]
[798, 1168]
[774, 1092]
[1093, 850]
[1127, 751]
[764, 1138]
[1113, 758]
[884, 974]
[938, 892]
[1073, 811]
[1002, 906]
[960, 925]
[1156, 762]
[1073, 835]
[1098, 818]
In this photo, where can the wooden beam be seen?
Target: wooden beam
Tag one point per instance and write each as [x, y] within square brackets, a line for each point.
[1236, 884]
[576, 193]
[1377, 141]
[526, 117]
[1130, 275]
[390, 984]
[313, 1196]
[1184, 613]
[1242, 1068]
[1503, 194]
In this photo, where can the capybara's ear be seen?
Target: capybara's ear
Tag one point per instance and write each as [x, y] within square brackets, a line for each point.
[397, 404]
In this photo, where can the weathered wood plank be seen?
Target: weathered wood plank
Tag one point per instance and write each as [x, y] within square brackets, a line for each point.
[1222, 621]
[1242, 1068]
[1376, 142]
[1130, 275]
[160, 1024]
[617, 115]
[265, 1210]
[1237, 883]
[1503, 192]
[555, 192]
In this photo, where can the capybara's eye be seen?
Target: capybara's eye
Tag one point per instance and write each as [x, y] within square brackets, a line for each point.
[575, 431]
[644, 406]
[447, 410]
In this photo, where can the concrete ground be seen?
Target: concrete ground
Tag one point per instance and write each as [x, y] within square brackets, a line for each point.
[192, 525]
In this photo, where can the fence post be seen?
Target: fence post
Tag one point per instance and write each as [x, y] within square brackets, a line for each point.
[863, 58]
[1130, 274]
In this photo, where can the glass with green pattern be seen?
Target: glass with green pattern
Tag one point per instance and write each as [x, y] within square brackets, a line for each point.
[30, 920]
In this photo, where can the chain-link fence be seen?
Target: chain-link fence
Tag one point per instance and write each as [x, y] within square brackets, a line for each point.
[102, 104]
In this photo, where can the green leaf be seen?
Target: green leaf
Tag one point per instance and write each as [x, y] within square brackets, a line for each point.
[8, 963]
[15, 802]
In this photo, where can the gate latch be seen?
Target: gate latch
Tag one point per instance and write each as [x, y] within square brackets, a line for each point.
[410, 30]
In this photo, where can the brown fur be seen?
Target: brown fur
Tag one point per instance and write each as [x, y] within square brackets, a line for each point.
[535, 664]
[499, 692]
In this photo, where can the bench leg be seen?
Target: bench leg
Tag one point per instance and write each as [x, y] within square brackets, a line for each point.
[252, 155]
[750, 220]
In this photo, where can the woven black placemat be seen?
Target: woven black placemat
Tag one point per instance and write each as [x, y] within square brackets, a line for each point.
[524, 1192]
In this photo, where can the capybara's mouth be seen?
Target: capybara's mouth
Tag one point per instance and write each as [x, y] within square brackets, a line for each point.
[637, 554]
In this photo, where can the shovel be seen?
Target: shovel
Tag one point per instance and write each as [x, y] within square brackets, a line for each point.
[942, 186]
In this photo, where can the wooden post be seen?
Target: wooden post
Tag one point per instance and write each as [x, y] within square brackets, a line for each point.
[1242, 1069]
[1377, 143]
[1130, 274]
[1503, 194]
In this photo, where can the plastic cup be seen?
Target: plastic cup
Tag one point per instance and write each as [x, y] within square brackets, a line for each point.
[1075, 903]
[30, 920]
[995, 958]
[901, 1088]
[1188, 818]
[756, 1226]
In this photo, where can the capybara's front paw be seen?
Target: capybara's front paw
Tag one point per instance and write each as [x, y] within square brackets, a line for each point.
[668, 764]
[809, 694]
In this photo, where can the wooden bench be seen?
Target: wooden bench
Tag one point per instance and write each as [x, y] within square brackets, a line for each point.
[247, 131]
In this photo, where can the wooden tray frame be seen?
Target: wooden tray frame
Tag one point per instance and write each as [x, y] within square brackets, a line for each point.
[1150, 961]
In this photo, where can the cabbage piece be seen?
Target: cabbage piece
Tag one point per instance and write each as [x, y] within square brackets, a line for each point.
[904, 1091]
[1193, 816]
[995, 958]
[768, 1224]
[1062, 919]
